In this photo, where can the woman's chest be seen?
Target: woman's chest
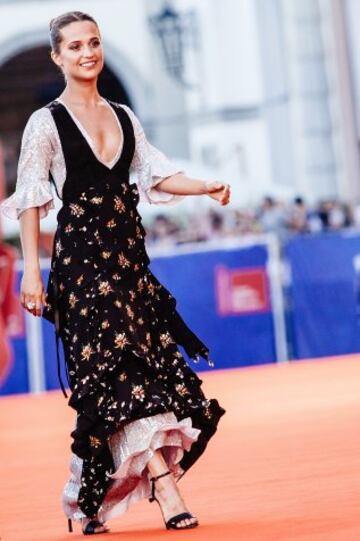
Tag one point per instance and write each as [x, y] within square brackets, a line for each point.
[101, 128]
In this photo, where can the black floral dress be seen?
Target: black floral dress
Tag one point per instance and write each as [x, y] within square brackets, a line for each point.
[118, 325]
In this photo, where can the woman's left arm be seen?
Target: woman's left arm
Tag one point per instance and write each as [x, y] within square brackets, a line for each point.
[180, 184]
[160, 180]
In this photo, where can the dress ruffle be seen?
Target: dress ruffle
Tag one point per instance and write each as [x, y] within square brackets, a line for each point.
[37, 195]
[153, 170]
[132, 447]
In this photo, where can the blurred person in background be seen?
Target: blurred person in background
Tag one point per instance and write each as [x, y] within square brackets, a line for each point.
[196, 229]
[216, 224]
[272, 217]
[163, 231]
[244, 222]
[297, 220]
[324, 211]
[340, 216]
[335, 215]
[142, 419]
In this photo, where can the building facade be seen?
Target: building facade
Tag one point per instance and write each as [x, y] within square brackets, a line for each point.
[260, 95]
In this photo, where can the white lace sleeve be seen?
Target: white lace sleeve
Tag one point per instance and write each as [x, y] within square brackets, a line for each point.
[151, 166]
[33, 188]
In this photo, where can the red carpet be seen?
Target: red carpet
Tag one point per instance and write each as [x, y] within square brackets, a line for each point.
[285, 463]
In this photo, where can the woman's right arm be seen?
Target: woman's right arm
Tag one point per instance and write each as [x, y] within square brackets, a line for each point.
[32, 288]
[32, 201]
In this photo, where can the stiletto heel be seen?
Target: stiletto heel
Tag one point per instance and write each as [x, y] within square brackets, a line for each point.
[173, 521]
[70, 525]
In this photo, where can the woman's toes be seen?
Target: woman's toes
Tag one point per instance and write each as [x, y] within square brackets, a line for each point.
[186, 522]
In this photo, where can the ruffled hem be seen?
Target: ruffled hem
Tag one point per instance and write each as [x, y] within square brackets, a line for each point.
[37, 196]
[158, 197]
[132, 448]
[153, 174]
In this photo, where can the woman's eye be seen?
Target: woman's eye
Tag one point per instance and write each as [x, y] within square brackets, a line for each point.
[77, 47]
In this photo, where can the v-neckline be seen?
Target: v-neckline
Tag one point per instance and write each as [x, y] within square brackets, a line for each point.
[89, 141]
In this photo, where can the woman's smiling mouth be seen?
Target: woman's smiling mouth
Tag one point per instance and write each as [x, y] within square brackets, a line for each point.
[89, 64]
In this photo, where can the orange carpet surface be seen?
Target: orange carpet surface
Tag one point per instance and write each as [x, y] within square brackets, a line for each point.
[284, 464]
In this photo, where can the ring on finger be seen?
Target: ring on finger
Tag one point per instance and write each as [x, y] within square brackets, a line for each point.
[30, 305]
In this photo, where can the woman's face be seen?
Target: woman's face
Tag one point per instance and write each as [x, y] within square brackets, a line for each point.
[81, 53]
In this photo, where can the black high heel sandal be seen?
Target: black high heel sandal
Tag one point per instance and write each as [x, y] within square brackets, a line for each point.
[90, 527]
[173, 521]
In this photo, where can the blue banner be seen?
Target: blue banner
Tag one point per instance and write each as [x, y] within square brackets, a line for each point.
[222, 295]
[323, 294]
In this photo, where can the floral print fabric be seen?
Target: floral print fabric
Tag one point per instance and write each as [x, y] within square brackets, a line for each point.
[118, 324]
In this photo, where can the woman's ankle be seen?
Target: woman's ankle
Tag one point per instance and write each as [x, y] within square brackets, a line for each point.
[166, 487]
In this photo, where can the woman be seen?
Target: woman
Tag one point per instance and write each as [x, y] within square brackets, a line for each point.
[142, 419]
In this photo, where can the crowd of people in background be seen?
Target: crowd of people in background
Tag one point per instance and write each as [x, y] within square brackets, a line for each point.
[271, 216]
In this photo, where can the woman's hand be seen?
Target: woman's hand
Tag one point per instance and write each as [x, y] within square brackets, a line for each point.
[32, 291]
[218, 191]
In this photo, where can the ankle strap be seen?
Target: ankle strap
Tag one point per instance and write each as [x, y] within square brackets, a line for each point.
[161, 475]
